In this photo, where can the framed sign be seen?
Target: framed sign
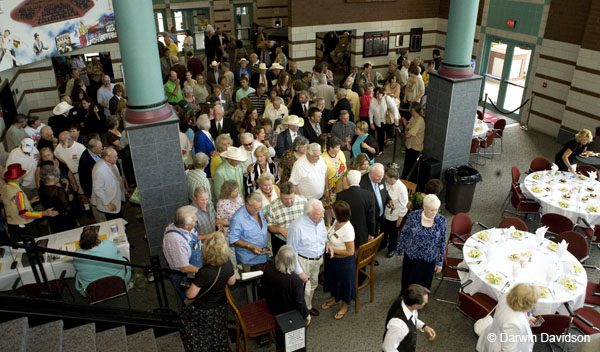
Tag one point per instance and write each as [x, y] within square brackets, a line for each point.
[416, 38]
[376, 44]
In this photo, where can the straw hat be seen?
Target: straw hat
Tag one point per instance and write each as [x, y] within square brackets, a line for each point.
[234, 153]
[392, 62]
[262, 66]
[243, 60]
[13, 172]
[214, 63]
[276, 66]
[293, 120]
[61, 108]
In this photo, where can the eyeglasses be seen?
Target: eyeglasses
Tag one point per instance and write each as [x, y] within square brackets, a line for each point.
[248, 144]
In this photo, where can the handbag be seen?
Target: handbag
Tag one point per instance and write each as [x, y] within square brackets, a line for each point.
[482, 324]
[189, 302]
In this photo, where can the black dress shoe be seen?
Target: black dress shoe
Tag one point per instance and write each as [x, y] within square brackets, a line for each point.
[314, 312]
[390, 254]
[376, 263]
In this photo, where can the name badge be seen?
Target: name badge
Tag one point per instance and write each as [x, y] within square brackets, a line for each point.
[380, 187]
[74, 156]
[196, 246]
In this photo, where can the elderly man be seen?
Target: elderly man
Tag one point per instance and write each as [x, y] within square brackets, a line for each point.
[196, 177]
[62, 119]
[20, 216]
[309, 173]
[244, 90]
[230, 169]
[294, 72]
[258, 98]
[205, 213]
[254, 64]
[248, 233]
[287, 137]
[165, 64]
[86, 164]
[108, 191]
[280, 57]
[282, 212]
[308, 237]
[27, 156]
[224, 100]
[362, 209]
[260, 77]
[248, 146]
[344, 129]
[393, 71]
[241, 70]
[404, 73]
[275, 111]
[315, 126]
[16, 132]
[342, 104]
[373, 182]
[300, 108]
[179, 68]
[69, 152]
[47, 139]
[182, 248]
[102, 97]
[222, 125]
[172, 89]
[325, 91]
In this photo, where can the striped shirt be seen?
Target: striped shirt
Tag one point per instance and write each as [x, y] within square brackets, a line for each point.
[194, 179]
[19, 200]
[258, 102]
[280, 215]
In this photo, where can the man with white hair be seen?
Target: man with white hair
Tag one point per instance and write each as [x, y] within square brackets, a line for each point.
[69, 152]
[196, 177]
[181, 247]
[108, 191]
[103, 96]
[275, 111]
[221, 125]
[248, 146]
[308, 237]
[309, 173]
[373, 182]
[47, 139]
[362, 209]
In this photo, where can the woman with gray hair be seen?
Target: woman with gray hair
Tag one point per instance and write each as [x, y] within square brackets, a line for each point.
[287, 160]
[284, 289]
[188, 95]
[53, 196]
[203, 141]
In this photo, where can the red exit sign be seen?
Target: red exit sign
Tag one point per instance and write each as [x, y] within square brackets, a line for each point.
[511, 23]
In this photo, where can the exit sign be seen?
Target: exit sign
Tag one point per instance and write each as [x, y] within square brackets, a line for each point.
[511, 23]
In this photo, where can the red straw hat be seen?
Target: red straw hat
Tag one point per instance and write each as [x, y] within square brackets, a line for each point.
[13, 172]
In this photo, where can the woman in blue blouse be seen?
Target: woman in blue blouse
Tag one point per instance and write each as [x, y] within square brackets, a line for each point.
[423, 244]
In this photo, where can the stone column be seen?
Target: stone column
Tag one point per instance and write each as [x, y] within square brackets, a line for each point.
[151, 123]
[462, 22]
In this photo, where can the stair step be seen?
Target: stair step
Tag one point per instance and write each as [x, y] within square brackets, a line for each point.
[80, 339]
[13, 335]
[46, 337]
[142, 341]
[170, 343]
[112, 340]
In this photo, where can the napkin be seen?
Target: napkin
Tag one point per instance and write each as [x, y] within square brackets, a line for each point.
[540, 233]
[562, 248]
[574, 166]
[592, 175]
[554, 168]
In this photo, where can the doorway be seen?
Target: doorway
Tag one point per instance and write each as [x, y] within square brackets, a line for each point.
[242, 22]
[506, 74]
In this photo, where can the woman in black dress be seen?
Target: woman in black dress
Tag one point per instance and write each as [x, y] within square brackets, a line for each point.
[566, 156]
[204, 321]
[92, 119]
[53, 196]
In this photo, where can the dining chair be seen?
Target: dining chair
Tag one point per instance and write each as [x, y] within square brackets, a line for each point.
[449, 273]
[411, 187]
[585, 319]
[366, 257]
[539, 163]
[486, 144]
[556, 223]
[592, 293]
[475, 150]
[474, 306]
[512, 221]
[498, 131]
[577, 244]
[106, 288]
[586, 169]
[521, 204]
[554, 325]
[460, 229]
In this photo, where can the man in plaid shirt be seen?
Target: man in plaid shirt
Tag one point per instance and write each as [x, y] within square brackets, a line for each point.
[282, 212]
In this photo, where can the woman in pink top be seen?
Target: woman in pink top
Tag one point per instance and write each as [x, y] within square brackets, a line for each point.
[365, 102]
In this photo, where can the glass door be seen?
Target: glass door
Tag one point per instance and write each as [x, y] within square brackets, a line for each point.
[505, 73]
[242, 21]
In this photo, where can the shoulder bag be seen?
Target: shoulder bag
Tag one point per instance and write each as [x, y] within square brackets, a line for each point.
[188, 301]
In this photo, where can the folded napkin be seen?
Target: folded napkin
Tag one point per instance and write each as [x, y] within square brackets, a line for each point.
[592, 175]
[554, 168]
[574, 166]
[540, 233]
[562, 248]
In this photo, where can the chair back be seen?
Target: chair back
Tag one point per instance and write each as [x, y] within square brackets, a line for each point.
[105, 288]
[367, 253]
[515, 199]
[516, 174]
[554, 324]
[557, 223]
[586, 169]
[480, 115]
[471, 307]
[461, 224]
[410, 187]
[539, 163]
[578, 245]
[239, 322]
[489, 140]
[474, 145]
[516, 222]
[499, 127]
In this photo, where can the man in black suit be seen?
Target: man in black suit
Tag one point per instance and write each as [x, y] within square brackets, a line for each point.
[362, 206]
[300, 108]
[221, 125]
[314, 125]
[286, 138]
[342, 104]
[373, 183]
[86, 164]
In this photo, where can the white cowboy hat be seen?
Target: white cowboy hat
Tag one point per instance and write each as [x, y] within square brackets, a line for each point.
[243, 60]
[214, 63]
[293, 120]
[276, 66]
[262, 66]
[61, 108]
[235, 154]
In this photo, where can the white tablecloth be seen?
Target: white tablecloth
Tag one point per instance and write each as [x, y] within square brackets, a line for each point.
[54, 266]
[495, 259]
[480, 128]
[551, 190]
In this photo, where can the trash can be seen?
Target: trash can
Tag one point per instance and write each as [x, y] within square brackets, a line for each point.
[460, 188]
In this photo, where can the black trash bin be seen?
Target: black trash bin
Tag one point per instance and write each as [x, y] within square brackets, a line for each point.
[460, 188]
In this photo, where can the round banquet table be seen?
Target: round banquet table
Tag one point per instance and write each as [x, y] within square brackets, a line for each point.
[590, 160]
[480, 129]
[549, 190]
[545, 269]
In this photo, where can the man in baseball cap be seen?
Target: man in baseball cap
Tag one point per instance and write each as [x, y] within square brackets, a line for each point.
[26, 155]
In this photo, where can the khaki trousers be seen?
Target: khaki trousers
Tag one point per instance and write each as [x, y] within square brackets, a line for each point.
[310, 268]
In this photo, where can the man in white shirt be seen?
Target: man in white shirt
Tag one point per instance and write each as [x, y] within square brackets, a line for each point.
[275, 111]
[404, 73]
[403, 321]
[34, 126]
[27, 155]
[108, 191]
[248, 145]
[392, 217]
[69, 152]
[105, 93]
[309, 173]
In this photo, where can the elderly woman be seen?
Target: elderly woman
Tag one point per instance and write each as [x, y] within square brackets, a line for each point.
[284, 289]
[222, 142]
[340, 270]
[363, 142]
[88, 271]
[250, 121]
[229, 202]
[414, 138]
[267, 190]
[335, 160]
[423, 244]
[204, 321]
[243, 106]
[263, 165]
[67, 179]
[53, 196]
[188, 97]
[287, 160]
[392, 217]
[200, 90]
[378, 110]
[566, 156]
[511, 322]
[203, 141]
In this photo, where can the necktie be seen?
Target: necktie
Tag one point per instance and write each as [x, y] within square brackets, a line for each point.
[304, 108]
[219, 127]
[263, 79]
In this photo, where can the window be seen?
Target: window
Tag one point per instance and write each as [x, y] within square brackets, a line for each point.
[159, 22]
[178, 20]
